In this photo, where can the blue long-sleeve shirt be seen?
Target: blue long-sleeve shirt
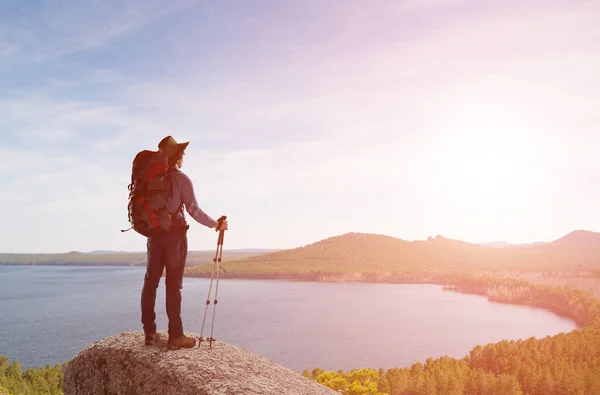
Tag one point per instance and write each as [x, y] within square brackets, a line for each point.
[183, 192]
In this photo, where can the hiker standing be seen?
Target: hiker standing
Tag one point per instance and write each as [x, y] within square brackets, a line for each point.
[170, 251]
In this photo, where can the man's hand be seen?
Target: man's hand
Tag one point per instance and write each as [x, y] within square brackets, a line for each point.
[221, 225]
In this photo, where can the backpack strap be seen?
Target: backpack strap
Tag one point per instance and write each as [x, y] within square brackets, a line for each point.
[144, 202]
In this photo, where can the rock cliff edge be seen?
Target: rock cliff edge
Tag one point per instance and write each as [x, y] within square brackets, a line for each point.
[122, 364]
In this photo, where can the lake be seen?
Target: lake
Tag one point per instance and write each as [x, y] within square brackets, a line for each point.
[48, 314]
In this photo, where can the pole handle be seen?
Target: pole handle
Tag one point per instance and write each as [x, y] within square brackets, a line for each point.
[222, 232]
[219, 222]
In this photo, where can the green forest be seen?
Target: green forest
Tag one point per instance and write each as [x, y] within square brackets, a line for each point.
[39, 381]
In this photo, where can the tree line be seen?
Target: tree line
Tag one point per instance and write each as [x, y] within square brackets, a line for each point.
[579, 305]
[567, 363]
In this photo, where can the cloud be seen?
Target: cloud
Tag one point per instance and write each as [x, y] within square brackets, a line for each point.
[42, 122]
[48, 29]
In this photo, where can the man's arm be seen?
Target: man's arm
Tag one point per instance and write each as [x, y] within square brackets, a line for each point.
[189, 201]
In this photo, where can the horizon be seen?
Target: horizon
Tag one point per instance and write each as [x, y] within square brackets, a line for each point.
[100, 251]
[412, 118]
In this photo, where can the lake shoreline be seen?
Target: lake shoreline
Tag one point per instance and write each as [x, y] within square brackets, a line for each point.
[448, 286]
[448, 281]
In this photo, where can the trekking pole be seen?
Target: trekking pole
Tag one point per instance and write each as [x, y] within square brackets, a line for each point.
[219, 243]
[216, 259]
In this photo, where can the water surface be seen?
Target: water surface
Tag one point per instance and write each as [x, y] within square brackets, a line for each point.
[48, 314]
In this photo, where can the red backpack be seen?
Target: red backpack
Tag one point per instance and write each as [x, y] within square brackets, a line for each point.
[148, 193]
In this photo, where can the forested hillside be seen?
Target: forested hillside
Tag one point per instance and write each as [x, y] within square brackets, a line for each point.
[385, 255]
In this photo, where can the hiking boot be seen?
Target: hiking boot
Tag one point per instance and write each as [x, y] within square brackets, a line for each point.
[182, 342]
[152, 338]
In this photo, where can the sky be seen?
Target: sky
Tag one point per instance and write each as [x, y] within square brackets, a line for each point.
[306, 119]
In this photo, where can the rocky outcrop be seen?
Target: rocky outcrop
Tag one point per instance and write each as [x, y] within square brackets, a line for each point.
[123, 365]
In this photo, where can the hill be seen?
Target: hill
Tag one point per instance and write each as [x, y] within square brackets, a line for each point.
[581, 238]
[373, 253]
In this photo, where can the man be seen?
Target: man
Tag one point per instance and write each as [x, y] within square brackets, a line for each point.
[170, 252]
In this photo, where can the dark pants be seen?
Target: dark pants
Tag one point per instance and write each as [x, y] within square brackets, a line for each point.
[170, 253]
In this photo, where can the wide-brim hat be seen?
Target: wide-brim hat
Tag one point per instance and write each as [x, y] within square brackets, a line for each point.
[172, 148]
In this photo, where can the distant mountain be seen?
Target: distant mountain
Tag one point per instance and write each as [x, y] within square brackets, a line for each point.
[240, 250]
[503, 244]
[251, 250]
[495, 244]
[579, 238]
[109, 252]
[582, 238]
[362, 252]
[366, 252]
[116, 258]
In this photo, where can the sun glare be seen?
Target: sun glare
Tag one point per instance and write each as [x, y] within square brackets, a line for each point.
[485, 160]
